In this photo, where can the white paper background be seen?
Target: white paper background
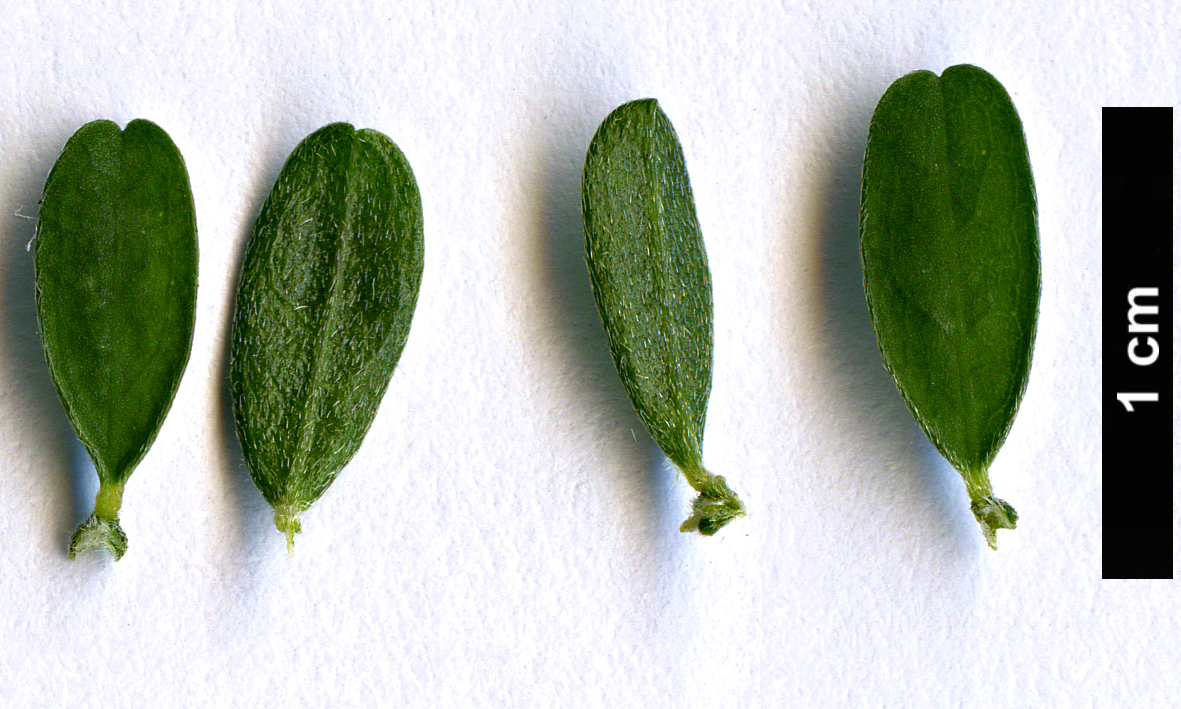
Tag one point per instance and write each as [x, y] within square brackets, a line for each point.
[506, 536]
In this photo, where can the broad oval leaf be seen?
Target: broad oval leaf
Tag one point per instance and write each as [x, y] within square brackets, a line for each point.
[328, 287]
[651, 283]
[116, 274]
[949, 247]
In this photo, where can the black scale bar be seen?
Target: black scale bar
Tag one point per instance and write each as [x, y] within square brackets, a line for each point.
[1137, 343]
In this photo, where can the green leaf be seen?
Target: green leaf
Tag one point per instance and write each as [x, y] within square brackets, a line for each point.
[651, 282]
[116, 275]
[949, 247]
[327, 291]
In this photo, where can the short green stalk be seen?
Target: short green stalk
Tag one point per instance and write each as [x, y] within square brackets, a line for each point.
[287, 517]
[991, 512]
[102, 528]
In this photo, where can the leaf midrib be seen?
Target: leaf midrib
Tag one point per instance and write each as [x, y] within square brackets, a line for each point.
[961, 392]
[681, 428]
[323, 338]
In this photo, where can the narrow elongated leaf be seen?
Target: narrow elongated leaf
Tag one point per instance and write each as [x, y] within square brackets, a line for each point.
[328, 288]
[116, 275]
[949, 246]
[652, 286]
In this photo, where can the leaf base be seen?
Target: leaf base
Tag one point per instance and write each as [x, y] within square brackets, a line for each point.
[99, 532]
[287, 522]
[715, 507]
[993, 513]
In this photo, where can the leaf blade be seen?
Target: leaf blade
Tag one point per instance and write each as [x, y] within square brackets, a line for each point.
[116, 273]
[949, 250]
[328, 288]
[649, 273]
[651, 283]
[115, 262]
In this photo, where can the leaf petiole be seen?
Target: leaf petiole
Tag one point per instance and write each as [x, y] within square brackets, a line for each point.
[991, 512]
[102, 528]
[287, 521]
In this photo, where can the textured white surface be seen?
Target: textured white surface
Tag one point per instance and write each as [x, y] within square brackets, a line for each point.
[506, 537]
